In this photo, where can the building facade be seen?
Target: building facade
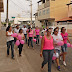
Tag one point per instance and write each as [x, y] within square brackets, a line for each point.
[1, 10]
[50, 11]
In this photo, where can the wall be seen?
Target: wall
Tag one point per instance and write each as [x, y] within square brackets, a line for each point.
[44, 13]
[59, 9]
[37, 23]
[0, 20]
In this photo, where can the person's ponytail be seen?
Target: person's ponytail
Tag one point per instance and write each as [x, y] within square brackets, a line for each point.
[7, 29]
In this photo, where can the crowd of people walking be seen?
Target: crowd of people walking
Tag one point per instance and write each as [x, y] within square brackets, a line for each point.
[49, 43]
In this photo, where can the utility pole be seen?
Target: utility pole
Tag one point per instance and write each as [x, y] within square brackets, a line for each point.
[7, 15]
[31, 13]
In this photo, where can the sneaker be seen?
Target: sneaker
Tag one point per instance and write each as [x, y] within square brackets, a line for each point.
[58, 68]
[64, 63]
[41, 68]
[7, 55]
[13, 58]
[53, 61]
[33, 48]
[20, 55]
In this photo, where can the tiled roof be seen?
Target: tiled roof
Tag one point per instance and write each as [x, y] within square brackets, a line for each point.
[65, 19]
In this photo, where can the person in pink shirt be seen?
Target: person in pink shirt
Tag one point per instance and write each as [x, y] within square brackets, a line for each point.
[47, 49]
[30, 37]
[21, 45]
[64, 47]
[37, 33]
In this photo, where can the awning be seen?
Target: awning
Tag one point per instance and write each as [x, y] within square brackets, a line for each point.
[65, 19]
[1, 6]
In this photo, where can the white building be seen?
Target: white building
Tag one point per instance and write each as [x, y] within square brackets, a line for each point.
[19, 20]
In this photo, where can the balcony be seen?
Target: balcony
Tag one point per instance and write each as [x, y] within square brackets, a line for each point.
[1, 6]
[44, 5]
[70, 14]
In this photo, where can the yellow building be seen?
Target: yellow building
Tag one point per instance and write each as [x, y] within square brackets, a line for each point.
[1, 10]
[50, 11]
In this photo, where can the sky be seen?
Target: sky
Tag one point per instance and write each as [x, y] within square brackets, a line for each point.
[19, 7]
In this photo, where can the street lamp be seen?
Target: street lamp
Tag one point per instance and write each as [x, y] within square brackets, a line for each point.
[31, 11]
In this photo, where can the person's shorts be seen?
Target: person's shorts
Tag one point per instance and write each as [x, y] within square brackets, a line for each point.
[57, 53]
[64, 48]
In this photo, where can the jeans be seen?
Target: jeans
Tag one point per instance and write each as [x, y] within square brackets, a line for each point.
[64, 48]
[10, 43]
[15, 40]
[20, 48]
[25, 37]
[47, 55]
[30, 39]
[37, 39]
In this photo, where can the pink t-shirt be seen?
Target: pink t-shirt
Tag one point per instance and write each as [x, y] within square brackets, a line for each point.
[48, 44]
[65, 37]
[22, 35]
[30, 34]
[37, 31]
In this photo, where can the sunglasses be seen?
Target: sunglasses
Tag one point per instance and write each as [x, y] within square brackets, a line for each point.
[56, 31]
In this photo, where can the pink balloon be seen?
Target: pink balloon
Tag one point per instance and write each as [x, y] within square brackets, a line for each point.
[53, 58]
[22, 41]
[14, 35]
[34, 40]
[19, 37]
[68, 45]
[40, 37]
[60, 43]
[17, 43]
[71, 45]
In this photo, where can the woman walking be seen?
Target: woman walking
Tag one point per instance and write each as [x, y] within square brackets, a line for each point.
[30, 37]
[64, 47]
[47, 49]
[57, 38]
[22, 38]
[37, 33]
[10, 41]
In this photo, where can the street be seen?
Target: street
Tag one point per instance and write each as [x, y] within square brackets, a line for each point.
[30, 60]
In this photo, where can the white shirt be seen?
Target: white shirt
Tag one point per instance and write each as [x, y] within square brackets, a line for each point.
[24, 30]
[59, 32]
[9, 38]
[56, 39]
[16, 30]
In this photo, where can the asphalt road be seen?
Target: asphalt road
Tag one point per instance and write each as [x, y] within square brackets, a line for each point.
[30, 60]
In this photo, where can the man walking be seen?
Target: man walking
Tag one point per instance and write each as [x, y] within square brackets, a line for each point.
[25, 32]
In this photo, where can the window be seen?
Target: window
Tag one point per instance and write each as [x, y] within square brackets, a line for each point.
[43, 12]
[47, 11]
[40, 13]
